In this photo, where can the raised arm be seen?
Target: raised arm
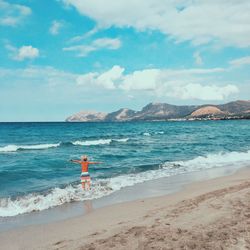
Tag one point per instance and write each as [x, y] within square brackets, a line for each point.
[75, 161]
[95, 162]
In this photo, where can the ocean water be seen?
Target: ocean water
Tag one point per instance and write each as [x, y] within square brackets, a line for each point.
[36, 174]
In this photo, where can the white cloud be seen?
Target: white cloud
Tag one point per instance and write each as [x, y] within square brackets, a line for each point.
[98, 44]
[27, 52]
[201, 92]
[180, 84]
[22, 53]
[37, 75]
[107, 43]
[106, 80]
[141, 80]
[185, 84]
[240, 61]
[12, 14]
[198, 58]
[55, 27]
[189, 84]
[84, 36]
[199, 21]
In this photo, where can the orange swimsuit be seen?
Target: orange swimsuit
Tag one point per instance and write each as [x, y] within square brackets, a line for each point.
[85, 174]
[85, 166]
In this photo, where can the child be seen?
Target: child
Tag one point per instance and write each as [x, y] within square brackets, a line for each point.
[85, 178]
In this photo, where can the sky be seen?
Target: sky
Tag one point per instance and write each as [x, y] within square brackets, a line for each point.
[59, 57]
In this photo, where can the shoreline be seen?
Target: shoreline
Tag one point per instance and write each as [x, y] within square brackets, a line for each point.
[148, 189]
[114, 225]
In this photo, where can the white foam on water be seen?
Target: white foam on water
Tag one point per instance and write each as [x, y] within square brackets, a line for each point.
[54, 197]
[159, 132]
[92, 143]
[121, 140]
[147, 134]
[215, 160]
[98, 142]
[103, 187]
[14, 148]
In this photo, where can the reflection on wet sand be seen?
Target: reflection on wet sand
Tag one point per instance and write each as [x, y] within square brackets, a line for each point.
[88, 207]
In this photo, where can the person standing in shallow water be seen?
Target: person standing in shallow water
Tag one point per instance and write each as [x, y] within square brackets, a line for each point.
[85, 177]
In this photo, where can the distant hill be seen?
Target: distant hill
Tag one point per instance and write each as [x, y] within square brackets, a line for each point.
[207, 110]
[121, 115]
[235, 107]
[163, 111]
[86, 116]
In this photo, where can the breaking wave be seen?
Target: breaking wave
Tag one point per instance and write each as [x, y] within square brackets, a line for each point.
[103, 187]
[14, 148]
[98, 142]
[153, 133]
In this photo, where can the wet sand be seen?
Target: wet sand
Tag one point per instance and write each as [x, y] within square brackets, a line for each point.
[212, 214]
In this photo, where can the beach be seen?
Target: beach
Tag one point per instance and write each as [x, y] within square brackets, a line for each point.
[210, 214]
[128, 132]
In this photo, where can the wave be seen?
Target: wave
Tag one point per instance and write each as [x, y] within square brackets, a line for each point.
[103, 187]
[98, 142]
[159, 132]
[14, 148]
[155, 133]
[214, 160]
[54, 197]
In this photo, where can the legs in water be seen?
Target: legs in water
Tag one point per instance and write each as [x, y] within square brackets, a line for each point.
[87, 185]
[85, 180]
[83, 185]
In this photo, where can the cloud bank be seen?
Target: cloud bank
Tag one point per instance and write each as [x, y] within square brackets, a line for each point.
[184, 84]
[200, 21]
[181, 84]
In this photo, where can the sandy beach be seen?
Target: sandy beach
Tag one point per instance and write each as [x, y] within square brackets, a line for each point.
[125, 125]
[212, 214]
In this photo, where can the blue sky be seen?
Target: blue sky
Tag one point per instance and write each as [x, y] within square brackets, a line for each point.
[59, 57]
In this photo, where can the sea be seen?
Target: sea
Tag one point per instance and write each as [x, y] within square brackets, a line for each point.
[36, 172]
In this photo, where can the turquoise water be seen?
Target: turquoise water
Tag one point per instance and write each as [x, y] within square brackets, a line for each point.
[35, 172]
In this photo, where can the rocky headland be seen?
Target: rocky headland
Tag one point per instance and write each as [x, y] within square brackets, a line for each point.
[163, 111]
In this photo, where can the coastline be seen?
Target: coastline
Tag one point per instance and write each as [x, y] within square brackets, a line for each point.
[152, 188]
[126, 225]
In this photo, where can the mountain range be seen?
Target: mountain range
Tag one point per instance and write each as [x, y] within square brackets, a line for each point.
[163, 111]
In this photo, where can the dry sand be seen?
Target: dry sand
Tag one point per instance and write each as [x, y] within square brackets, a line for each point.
[213, 214]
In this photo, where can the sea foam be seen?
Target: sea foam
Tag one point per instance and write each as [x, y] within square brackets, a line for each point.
[103, 187]
[14, 148]
[98, 142]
